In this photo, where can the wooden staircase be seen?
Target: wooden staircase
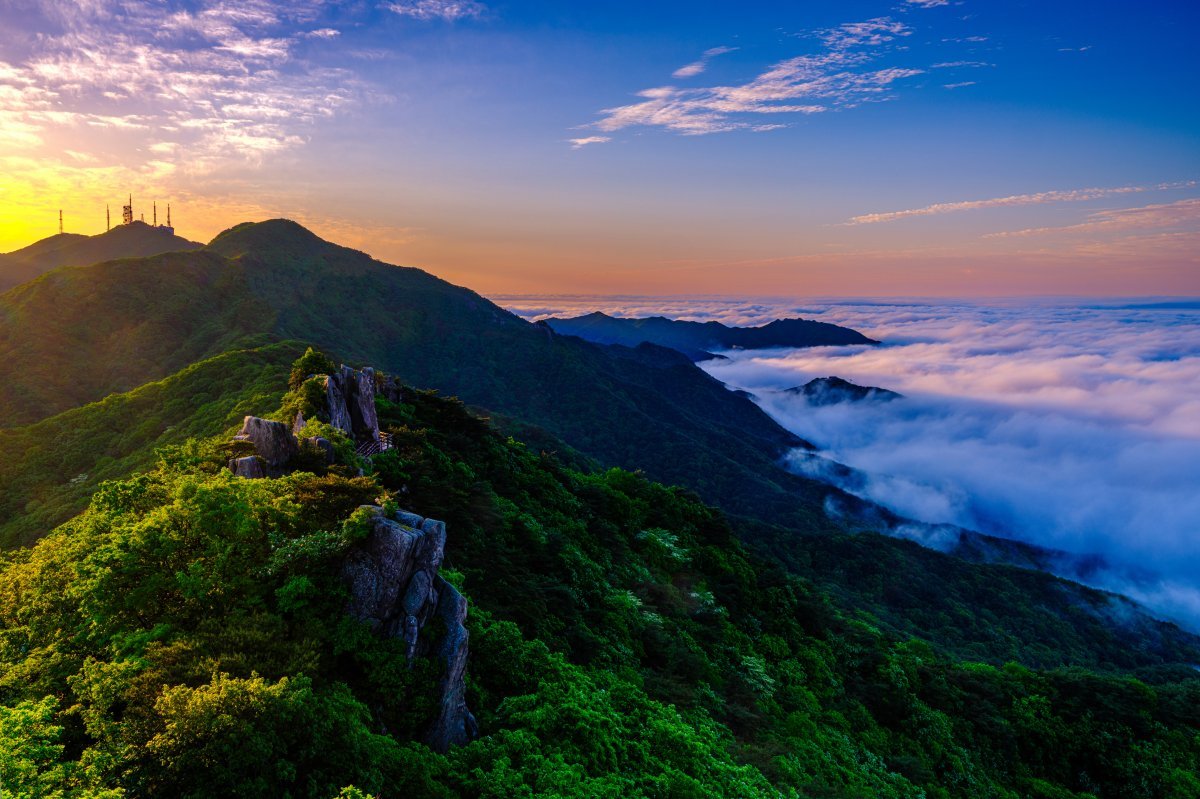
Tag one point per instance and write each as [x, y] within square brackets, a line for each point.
[371, 448]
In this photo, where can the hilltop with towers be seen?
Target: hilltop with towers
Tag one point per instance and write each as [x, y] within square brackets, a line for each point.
[127, 217]
[134, 237]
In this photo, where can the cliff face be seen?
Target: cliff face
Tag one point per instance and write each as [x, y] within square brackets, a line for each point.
[396, 589]
[351, 398]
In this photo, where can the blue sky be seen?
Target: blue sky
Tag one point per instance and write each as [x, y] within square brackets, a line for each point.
[825, 148]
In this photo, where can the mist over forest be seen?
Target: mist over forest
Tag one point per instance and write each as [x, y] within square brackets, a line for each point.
[1073, 426]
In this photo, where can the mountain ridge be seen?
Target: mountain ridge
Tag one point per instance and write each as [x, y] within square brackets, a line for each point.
[257, 284]
[698, 340]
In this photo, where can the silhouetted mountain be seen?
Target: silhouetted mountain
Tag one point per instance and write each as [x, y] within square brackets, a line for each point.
[134, 240]
[832, 390]
[697, 340]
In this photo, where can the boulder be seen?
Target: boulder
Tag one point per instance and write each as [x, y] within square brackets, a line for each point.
[250, 467]
[273, 441]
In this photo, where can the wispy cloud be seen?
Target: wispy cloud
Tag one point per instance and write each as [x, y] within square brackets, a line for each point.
[1161, 215]
[577, 144]
[960, 84]
[1039, 198]
[446, 10]
[928, 3]
[845, 72]
[802, 85]
[210, 85]
[872, 32]
[696, 67]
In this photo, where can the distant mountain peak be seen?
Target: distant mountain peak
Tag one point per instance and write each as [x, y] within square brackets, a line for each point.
[833, 390]
[267, 230]
[698, 340]
[272, 237]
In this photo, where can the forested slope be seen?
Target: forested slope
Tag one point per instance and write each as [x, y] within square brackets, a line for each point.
[191, 627]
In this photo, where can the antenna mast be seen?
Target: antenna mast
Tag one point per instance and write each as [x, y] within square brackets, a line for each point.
[156, 213]
[107, 218]
[60, 228]
[168, 214]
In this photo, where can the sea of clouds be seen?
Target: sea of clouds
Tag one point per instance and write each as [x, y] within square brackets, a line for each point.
[1072, 425]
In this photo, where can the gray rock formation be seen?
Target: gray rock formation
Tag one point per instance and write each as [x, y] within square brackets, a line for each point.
[390, 388]
[273, 441]
[323, 444]
[396, 589]
[455, 724]
[351, 398]
[339, 410]
[250, 467]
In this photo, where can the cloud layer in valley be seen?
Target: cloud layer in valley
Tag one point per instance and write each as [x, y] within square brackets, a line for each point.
[1072, 426]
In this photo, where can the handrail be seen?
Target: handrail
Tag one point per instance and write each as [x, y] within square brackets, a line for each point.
[368, 449]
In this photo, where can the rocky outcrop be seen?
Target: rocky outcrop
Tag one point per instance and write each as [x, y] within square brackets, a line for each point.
[250, 467]
[455, 724]
[395, 587]
[350, 395]
[390, 388]
[275, 445]
[323, 444]
[273, 441]
[337, 407]
[350, 406]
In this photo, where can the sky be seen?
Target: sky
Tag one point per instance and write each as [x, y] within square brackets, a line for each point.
[1072, 425]
[902, 148]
